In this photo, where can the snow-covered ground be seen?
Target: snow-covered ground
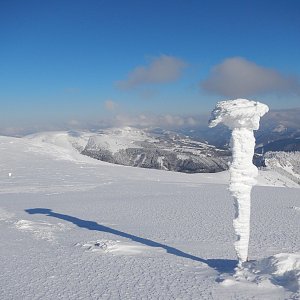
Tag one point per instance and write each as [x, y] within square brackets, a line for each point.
[75, 228]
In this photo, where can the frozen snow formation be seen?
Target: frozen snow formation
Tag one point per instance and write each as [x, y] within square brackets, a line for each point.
[242, 117]
[284, 269]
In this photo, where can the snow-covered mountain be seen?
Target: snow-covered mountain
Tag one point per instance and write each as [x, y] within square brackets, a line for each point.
[156, 149]
[159, 150]
[284, 163]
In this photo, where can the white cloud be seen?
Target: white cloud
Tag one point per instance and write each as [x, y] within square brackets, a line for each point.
[238, 77]
[110, 105]
[161, 69]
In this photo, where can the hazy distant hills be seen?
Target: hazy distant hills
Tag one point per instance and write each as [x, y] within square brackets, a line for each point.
[279, 131]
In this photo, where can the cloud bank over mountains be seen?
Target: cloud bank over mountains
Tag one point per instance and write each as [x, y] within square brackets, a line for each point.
[286, 118]
[238, 77]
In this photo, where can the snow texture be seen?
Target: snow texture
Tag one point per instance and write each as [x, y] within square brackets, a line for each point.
[242, 116]
[72, 227]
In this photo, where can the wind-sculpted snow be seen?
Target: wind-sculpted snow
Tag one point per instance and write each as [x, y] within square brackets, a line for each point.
[242, 116]
[239, 113]
[282, 269]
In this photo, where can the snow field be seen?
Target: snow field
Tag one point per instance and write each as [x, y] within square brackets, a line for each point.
[82, 229]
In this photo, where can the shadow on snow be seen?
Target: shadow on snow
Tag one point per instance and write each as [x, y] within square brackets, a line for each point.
[221, 265]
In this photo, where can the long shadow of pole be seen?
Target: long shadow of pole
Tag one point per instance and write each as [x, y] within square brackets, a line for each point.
[221, 265]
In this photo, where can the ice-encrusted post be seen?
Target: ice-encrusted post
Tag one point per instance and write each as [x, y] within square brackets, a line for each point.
[242, 116]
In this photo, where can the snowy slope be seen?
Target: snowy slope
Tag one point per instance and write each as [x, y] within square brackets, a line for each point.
[284, 163]
[141, 148]
[65, 139]
[117, 139]
[75, 228]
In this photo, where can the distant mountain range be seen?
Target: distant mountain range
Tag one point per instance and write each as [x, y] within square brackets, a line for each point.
[285, 163]
[185, 150]
[189, 150]
[279, 131]
[157, 149]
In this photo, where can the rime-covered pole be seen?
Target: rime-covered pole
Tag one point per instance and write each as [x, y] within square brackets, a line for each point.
[242, 116]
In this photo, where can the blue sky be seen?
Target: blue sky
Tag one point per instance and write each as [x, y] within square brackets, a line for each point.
[82, 61]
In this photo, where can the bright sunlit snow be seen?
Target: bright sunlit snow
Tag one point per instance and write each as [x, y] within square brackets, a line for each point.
[76, 228]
